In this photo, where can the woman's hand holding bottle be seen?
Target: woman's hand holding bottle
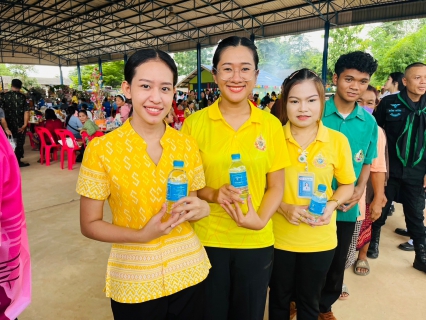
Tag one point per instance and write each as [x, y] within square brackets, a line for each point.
[227, 193]
[250, 220]
[190, 209]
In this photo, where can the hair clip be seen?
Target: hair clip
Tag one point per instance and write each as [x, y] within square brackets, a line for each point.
[293, 74]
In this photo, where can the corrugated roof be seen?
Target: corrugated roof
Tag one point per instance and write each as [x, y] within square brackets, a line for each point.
[53, 32]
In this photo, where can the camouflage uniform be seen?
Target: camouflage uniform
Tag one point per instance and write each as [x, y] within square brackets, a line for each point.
[15, 105]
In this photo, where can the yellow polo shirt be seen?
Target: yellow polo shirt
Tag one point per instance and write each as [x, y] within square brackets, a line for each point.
[117, 167]
[261, 144]
[328, 156]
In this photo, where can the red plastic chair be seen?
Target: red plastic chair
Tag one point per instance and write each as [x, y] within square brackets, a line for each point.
[31, 136]
[63, 134]
[85, 135]
[47, 145]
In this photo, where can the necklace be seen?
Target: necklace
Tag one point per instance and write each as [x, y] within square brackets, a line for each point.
[303, 153]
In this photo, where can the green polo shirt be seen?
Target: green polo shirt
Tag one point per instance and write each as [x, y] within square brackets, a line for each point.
[361, 129]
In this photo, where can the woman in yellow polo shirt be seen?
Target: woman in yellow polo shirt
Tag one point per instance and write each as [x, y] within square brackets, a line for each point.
[240, 247]
[157, 266]
[304, 245]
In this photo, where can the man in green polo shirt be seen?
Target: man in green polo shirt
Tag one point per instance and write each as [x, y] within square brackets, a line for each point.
[352, 76]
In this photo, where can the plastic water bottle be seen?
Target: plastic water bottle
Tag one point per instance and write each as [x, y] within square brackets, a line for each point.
[238, 175]
[318, 201]
[177, 186]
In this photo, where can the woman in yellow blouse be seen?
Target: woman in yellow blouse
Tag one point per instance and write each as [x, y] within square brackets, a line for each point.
[157, 266]
[239, 246]
[304, 245]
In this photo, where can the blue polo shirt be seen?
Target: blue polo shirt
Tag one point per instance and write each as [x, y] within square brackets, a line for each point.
[361, 129]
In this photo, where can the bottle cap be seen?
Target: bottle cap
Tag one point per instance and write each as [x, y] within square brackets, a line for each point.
[322, 187]
[235, 156]
[178, 164]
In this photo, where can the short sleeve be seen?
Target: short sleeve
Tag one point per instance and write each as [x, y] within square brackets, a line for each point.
[198, 181]
[93, 181]
[281, 159]
[344, 169]
[379, 164]
[372, 147]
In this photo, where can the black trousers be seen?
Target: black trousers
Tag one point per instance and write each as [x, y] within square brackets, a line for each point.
[20, 141]
[183, 305]
[237, 285]
[412, 198]
[334, 281]
[299, 276]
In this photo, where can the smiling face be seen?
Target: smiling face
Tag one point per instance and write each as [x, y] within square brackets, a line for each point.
[303, 105]
[415, 80]
[151, 92]
[367, 99]
[351, 84]
[234, 88]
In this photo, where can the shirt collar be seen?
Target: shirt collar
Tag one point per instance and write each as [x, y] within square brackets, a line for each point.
[330, 108]
[215, 114]
[132, 134]
[322, 134]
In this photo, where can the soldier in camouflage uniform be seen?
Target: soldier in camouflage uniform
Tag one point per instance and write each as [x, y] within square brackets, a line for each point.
[17, 115]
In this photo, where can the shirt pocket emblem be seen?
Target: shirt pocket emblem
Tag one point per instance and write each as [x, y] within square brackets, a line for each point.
[359, 156]
[320, 161]
[260, 143]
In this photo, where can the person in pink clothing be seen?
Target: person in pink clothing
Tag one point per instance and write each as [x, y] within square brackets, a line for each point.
[375, 198]
[124, 107]
[15, 278]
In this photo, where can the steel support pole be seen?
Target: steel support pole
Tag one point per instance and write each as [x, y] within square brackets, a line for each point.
[125, 58]
[252, 37]
[80, 83]
[325, 52]
[100, 72]
[198, 71]
[60, 75]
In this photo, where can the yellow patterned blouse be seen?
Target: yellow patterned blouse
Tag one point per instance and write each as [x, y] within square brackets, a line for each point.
[118, 168]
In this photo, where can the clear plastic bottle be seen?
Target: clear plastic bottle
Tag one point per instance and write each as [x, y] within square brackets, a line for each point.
[318, 201]
[177, 186]
[238, 175]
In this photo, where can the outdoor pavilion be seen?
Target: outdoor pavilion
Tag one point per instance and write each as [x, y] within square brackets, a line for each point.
[76, 32]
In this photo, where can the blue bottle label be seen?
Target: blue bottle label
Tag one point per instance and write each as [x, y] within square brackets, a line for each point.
[176, 191]
[239, 179]
[317, 207]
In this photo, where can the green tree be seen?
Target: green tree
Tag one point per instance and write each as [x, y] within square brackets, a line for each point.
[409, 49]
[395, 45]
[344, 40]
[112, 73]
[4, 70]
[20, 72]
[187, 60]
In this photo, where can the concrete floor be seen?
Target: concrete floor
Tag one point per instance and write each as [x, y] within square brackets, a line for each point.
[68, 269]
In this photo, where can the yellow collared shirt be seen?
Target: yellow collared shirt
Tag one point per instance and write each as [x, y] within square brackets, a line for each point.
[328, 156]
[261, 144]
[117, 167]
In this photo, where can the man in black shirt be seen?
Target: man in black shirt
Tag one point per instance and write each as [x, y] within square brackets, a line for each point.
[17, 116]
[403, 118]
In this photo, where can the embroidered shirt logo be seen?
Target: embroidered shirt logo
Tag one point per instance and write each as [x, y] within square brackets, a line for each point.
[260, 143]
[395, 112]
[319, 161]
[359, 156]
